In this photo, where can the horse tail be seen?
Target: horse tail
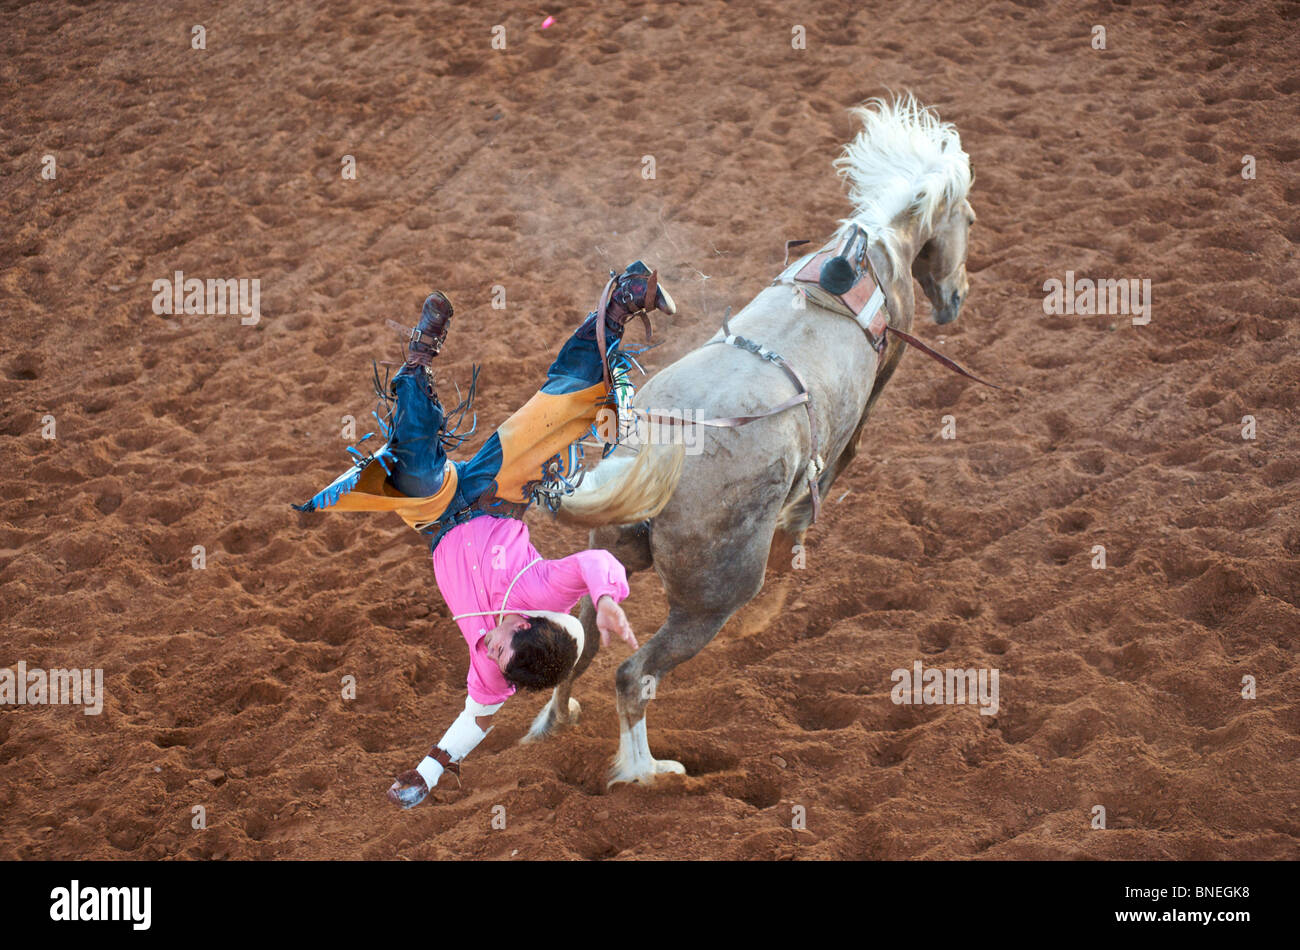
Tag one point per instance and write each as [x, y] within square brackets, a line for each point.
[625, 490]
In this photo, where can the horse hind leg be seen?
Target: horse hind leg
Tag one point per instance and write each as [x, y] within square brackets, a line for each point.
[631, 545]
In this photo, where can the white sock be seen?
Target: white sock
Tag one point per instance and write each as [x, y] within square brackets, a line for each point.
[430, 770]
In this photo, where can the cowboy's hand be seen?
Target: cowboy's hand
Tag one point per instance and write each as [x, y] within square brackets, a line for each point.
[610, 619]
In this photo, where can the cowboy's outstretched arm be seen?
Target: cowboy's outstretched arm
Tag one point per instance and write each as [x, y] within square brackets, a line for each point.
[596, 573]
[460, 739]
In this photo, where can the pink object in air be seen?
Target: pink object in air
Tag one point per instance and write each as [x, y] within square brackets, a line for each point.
[549, 21]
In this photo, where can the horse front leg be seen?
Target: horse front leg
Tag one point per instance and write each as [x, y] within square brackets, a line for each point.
[638, 680]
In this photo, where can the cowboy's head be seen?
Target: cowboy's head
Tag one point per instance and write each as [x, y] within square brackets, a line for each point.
[535, 652]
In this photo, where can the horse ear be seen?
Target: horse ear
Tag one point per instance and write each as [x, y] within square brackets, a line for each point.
[899, 298]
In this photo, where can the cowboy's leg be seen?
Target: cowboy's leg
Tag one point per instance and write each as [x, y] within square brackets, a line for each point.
[417, 413]
[417, 423]
[560, 412]
[418, 417]
[568, 402]
[577, 365]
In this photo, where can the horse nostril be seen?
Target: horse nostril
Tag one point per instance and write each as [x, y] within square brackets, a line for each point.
[955, 300]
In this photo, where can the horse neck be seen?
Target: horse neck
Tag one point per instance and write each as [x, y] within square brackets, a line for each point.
[908, 237]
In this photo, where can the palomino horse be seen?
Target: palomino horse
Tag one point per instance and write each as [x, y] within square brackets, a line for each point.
[707, 522]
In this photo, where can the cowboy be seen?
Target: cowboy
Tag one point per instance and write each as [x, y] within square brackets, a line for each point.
[512, 605]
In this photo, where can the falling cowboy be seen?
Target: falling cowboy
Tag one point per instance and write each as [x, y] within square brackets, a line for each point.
[511, 605]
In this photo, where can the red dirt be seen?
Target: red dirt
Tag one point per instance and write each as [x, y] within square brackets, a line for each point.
[522, 167]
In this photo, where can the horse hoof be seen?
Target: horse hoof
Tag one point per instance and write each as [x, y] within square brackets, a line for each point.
[657, 767]
[546, 724]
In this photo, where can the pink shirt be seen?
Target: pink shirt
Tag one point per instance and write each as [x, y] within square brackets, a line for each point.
[475, 562]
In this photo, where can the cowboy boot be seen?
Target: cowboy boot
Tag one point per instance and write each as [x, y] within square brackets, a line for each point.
[427, 337]
[409, 789]
[627, 299]
[435, 319]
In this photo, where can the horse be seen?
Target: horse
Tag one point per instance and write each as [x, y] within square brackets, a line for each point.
[709, 521]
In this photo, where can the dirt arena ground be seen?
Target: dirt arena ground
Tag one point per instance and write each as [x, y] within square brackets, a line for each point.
[522, 168]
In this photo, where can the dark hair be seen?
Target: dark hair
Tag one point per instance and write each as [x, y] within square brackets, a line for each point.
[544, 654]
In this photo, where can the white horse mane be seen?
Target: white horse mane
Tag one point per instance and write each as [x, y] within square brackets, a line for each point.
[905, 160]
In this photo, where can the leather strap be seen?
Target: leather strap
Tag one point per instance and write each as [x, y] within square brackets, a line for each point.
[913, 341]
[651, 288]
[414, 335]
[725, 422]
[442, 757]
[601, 306]
[793, 244]
[606, 295]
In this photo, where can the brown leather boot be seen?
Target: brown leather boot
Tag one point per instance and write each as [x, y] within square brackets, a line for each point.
[427, 337]
[425, 340]
[635, 292]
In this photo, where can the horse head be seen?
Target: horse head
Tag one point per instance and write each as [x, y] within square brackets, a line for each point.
[940, 265]
[909, 179]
